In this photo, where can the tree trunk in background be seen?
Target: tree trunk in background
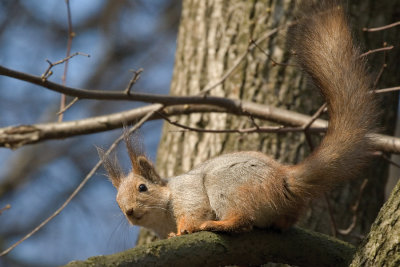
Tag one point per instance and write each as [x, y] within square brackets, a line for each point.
[212, 36]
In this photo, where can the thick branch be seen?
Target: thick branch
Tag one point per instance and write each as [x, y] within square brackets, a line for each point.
[166, 100]
[16, 136]
[118, 95]
[295, 246]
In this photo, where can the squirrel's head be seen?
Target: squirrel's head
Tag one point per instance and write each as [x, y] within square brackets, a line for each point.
[142, 194]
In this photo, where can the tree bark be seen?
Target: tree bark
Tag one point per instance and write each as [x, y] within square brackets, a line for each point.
[382, 245]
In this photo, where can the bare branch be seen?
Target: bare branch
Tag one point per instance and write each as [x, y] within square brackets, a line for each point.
[118, 95]
[166, 100]
[381, 70]
[6, 207]
[388, 159]
[387, 90]
[48, 71]
[306, 126]
[68, 106]
[256, 129]
[381, 28]
[354, 210]
[377, 50]
[71, 35]
[16, 136]
[135, 78]
[331, 216]
[274, 62]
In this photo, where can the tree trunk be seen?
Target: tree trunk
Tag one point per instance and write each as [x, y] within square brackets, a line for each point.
[213, 35]
[382, 245]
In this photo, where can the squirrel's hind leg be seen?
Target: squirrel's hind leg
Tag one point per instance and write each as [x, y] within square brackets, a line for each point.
[232, 223]
[186, 225]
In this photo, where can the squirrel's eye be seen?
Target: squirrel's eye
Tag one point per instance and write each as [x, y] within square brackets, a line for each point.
[142, 188]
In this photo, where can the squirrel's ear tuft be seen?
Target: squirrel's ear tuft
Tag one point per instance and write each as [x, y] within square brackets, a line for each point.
[147, 170]
[114, 170]
[140, 164]
[134, 147]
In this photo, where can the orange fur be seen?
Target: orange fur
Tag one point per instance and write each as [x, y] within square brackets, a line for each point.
[233, 223]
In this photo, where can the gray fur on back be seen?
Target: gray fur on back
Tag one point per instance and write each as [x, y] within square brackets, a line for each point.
[215, 182]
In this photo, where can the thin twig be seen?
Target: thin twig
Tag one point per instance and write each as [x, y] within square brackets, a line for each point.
[385, 157]
[315, 116]
[383, 67]
[386, 90]
[333, 221]
[225, 76]
[6, 207]
[71, 35]
[256, 129]
[381, 28]
[377, 50]
[135, 78]
[253, 121]
[80, 186]
[354, 210]
[48, 71]
[306, 127]
[68, 106]
[378, 77]
[274, 62]
[250, 48]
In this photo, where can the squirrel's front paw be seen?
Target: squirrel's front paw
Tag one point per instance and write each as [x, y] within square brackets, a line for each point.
[172, 234]
[182, 232]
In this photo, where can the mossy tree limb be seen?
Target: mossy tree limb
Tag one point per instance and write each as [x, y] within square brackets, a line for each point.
[295, 246]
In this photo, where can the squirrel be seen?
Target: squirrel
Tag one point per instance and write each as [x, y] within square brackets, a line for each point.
[238, 191]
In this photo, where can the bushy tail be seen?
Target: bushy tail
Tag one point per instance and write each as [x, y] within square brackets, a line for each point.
[325, 49]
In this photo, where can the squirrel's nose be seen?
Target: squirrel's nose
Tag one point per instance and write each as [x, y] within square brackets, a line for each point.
[129, 212]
